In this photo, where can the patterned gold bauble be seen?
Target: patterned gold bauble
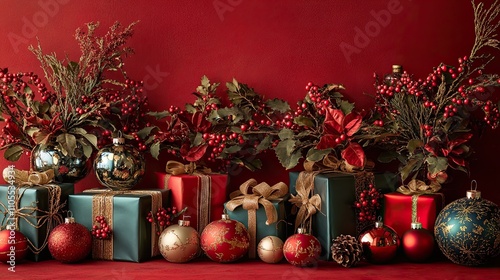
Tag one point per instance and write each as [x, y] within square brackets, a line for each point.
[179, 243]
[225, 240]
[468, 230]
[270, 249]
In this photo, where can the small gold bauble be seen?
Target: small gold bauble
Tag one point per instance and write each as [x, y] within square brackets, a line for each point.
[179, 243]
[270, 249]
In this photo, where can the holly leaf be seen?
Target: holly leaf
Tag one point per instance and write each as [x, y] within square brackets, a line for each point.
[285, 134]
[436, 164]
[232, 149]
[205, 82]
[414, 144]
[286, 155]
[87, 149]
[413, 164]
[303, 121]
[190, 109]
[346, 106]
[198, 139]
[354, 155]
[278, 105]
[388, 156]
[159, 115]
[264, 144]
[13, 153]
[317, 155]
[145, 132]
[155, 149]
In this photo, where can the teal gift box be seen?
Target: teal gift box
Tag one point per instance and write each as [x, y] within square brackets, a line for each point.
[132, 234]
[338, 197]
[35, 204]
[277, 229]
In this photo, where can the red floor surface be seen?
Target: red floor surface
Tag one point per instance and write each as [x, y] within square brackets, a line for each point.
[205, 269]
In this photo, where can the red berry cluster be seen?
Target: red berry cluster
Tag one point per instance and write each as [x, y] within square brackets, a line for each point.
[102, 230]
[164, 217]
[368, 203]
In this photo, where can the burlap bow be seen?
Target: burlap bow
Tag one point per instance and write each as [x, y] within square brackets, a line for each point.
[24, 177]
[306, 205]
[332, 163]
[177, 168]
[418, 187]
[249, 196]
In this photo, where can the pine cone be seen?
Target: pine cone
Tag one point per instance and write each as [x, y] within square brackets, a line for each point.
[346, 250]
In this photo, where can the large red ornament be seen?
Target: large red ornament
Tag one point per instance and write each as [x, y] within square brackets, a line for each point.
[380, 243]
[225, 240]
[70, 242]
[13, 246]
[418, 243]
[302, 249]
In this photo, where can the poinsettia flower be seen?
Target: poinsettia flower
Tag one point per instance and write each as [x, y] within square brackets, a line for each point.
[451, 149]
[192, 154]
[338, 128]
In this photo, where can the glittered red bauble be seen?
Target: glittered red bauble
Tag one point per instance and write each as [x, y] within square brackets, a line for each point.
[418, 243]
[70, 242]
[302, 249]
[380, 243]
[225, 240]
[13, 246]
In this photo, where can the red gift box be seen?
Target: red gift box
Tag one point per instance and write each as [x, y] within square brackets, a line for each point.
[203, 195]
[398, 210]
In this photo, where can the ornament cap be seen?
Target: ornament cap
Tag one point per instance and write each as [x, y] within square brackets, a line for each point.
[473, 193]
[69, 219]
[379, 223]
[396, 68]
[302, 230]
[119, 140]
[184, 223]
[416, 225]
[225, 216]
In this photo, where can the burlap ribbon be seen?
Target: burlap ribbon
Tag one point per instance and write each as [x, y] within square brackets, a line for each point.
[49, 218]
[249, 196]
[333, 164]
[304, 204]
[416, 188]
[102, 205]
[204, 192]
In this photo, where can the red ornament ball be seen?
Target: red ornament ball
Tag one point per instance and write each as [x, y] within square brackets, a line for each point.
[302, 249]
[70, 242]
[380, 243]
[13, 246]
[418, 243]
[225, 240]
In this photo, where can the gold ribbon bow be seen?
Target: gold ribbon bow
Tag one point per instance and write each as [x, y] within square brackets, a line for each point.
[306, 205]
[24, 177]
[333, 164]
[418, 187]
[249, 196]
[177, 168]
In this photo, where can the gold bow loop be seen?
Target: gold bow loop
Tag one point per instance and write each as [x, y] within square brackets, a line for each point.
[178, 168]
[24, 177]
[418, 187]
[251, 194]
[307, 206]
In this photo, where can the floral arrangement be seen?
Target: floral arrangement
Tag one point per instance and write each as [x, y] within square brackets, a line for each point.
[211, 134]
[324, 123]
[427, 124]
[90, 97]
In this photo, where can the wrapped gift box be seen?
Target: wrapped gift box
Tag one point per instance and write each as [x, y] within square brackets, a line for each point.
[204, 200]
[278, 228]
[132, 233]
[338, 196]
[398, 210]
[36, 197]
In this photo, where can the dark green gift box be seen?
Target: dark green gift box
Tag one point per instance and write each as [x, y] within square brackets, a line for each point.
[34, 197]
[277, 229]
[338, 196]
[131, 231]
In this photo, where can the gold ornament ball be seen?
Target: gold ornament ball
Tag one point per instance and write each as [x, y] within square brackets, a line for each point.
[270, 249]
[179, 244]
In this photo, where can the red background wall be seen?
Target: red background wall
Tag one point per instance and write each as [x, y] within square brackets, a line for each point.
[274, 46]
